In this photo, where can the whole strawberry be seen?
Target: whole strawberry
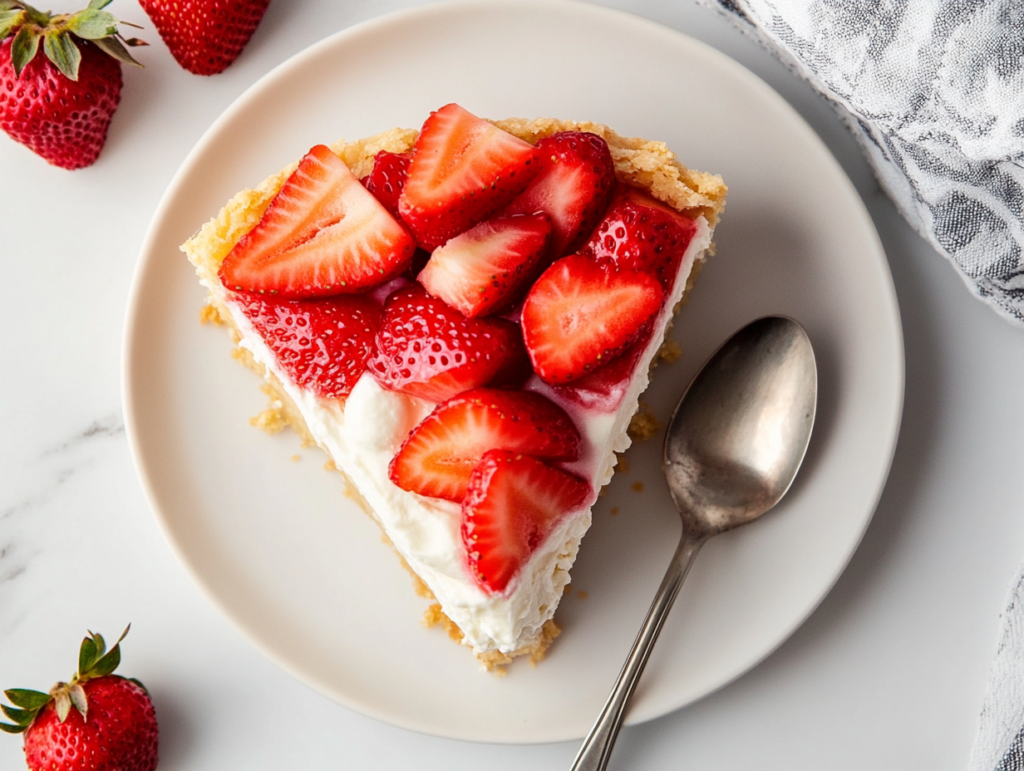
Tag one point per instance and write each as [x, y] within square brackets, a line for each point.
[60, 105]
[97, 722]
[205, 36]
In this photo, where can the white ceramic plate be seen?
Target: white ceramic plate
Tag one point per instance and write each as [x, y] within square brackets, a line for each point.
[303, 572]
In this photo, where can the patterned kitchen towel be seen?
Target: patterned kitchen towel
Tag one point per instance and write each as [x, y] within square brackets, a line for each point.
[999, 745]
[934, 92]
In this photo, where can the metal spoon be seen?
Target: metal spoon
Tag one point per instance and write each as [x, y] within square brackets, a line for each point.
[732, 449]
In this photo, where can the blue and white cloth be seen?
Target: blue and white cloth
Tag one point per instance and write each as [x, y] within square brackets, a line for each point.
[934, 92]
[999, 745]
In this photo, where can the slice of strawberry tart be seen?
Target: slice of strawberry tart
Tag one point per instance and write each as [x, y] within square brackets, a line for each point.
[464, 318]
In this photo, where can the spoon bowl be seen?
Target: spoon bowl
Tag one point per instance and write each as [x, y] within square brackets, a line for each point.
[732, 449]
[741, 429]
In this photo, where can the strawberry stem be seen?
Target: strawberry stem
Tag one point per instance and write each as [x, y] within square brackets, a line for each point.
[92, 23]
[94, 660]
[9, 19]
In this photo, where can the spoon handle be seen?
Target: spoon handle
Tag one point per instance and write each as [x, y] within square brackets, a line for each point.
[597, 747]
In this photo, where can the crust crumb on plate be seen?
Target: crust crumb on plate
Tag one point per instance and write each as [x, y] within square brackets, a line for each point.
[643, 425]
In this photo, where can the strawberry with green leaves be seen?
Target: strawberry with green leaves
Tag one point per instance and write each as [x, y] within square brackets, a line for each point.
[98, 722]
[60, 104]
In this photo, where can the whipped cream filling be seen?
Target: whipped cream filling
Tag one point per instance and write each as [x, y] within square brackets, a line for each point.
[362, 434]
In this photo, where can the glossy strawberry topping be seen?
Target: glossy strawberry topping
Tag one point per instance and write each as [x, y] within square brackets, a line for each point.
[490, 213]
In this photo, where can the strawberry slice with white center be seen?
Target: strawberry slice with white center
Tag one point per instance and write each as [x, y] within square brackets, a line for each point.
[581, 314]
[426, 349]
[574, 184]
[323, 343]
[513, 503]
[440, 454]
[639, 232]
[387, 178]
[323, 234]
[463, 170]
[484, 269]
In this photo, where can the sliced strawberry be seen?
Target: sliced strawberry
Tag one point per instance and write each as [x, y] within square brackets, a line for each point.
[488, 266]
[639, 232]
[387, 178]
[512, 505]
[581, 314]
[440, 454]
[322, 343]
[426, 349]
[323, 234]
[463, 170]
[603, 389]
[573, 186]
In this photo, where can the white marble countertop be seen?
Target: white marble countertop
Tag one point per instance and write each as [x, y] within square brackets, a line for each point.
[888, 673]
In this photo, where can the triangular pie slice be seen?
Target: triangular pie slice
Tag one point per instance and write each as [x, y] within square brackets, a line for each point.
[463, 318]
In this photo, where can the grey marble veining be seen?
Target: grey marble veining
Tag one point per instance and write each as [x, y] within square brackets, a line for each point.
[108, 426]
[60, 462]
[27, 520]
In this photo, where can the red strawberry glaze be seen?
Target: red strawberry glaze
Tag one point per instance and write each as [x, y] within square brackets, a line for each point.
[604, 389]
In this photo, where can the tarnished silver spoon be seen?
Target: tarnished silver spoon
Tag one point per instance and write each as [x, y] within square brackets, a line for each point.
[732, 449]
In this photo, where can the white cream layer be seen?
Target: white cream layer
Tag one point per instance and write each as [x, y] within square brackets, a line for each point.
[362, 434]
